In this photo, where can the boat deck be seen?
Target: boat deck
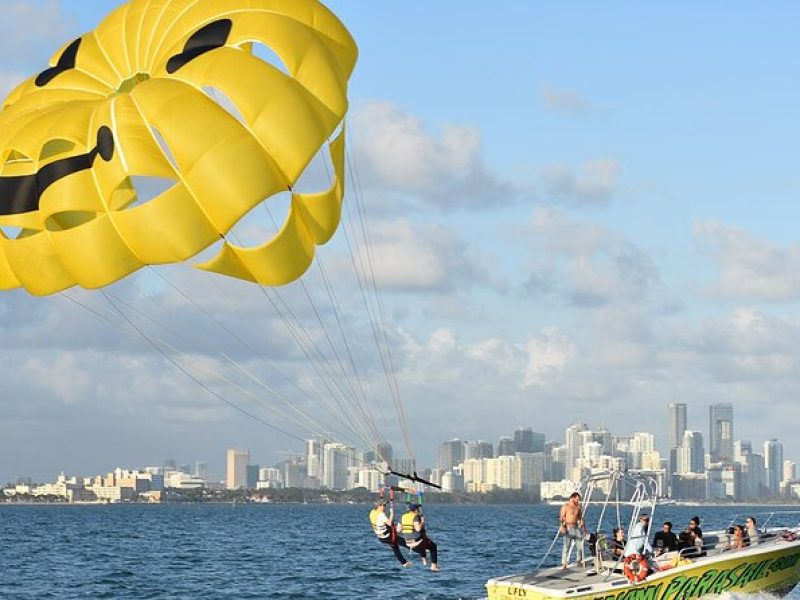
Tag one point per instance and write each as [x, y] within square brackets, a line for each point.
[563, 579]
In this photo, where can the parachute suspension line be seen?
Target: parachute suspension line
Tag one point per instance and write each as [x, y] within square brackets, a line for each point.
[345, 338]
[317, 359]
[180, 367]
[319, 362]
[309, 425]
[324, 399]
[367, 279]
[362, 407]
[370, 300]
[254, 352]
[368, 275]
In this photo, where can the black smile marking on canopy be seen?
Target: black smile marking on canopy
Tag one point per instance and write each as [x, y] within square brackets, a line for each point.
[65, 62]
[20, 194]
[207, 38]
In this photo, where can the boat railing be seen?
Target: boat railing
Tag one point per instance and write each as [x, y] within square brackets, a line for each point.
[775, 518]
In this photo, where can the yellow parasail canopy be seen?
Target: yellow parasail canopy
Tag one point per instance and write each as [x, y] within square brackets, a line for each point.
[129, 99]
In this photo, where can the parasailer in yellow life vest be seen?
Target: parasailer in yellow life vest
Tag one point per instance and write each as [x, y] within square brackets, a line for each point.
[383, 526]
[412, 531]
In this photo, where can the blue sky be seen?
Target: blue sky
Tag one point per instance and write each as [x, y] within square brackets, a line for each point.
[587, 206]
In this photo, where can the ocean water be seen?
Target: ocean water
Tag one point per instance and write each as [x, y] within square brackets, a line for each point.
[272, 550]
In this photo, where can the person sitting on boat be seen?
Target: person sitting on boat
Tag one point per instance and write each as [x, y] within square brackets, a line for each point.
[697, 533]
[617, 542]
[737, 538]
[665, 540]
[571, 526]
[412, 528]
[690, 541]
[753, 537]
[383, 526]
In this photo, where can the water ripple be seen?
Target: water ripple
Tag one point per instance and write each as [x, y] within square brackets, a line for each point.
[178, 552]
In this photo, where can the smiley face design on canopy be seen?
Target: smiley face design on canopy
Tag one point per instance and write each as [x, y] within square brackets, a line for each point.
[130, 99]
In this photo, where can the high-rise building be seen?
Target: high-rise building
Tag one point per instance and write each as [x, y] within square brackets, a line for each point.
[558, 461]
[572, 441]
[252, 476]
[506, 447]
[385, 453]
[236, 472]
[603, 437]
[789, 470]
[724, 483]
[741, 449]
[753, 476]
[336, 460]
[479, 449]
[451, 454]
[773, 463]
[200, 470]
[676, 425]
[720, 425]
[691, 454]
[523, 439]
[314, 458]
[295, 473]
[528, 440]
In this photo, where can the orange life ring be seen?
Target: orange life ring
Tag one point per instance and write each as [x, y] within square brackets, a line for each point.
[638, 562]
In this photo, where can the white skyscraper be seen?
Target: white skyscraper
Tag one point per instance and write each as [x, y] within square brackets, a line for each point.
[314, 458]
[573, 441]
[336, 460]
[691, 454]
[789, 470]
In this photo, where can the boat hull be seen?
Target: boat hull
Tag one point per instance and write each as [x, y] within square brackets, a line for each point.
[774, 570]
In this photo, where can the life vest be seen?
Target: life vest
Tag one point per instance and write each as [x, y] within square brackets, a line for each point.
[407, 527]
[382, 531]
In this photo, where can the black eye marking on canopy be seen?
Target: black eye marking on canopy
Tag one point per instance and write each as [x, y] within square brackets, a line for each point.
[207, 38]
[65, 62]
[20, 194]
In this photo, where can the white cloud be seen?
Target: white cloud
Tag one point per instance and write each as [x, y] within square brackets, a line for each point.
[60, 378]
[594, 184]
[397, 153]
[563, 101]
[548, 354]
[751, 269]
[408, 257]
[579, 263]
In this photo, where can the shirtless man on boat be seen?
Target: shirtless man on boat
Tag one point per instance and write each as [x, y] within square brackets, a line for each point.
[572, 528]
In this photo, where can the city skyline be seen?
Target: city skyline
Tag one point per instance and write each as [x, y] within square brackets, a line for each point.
[691, 456]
